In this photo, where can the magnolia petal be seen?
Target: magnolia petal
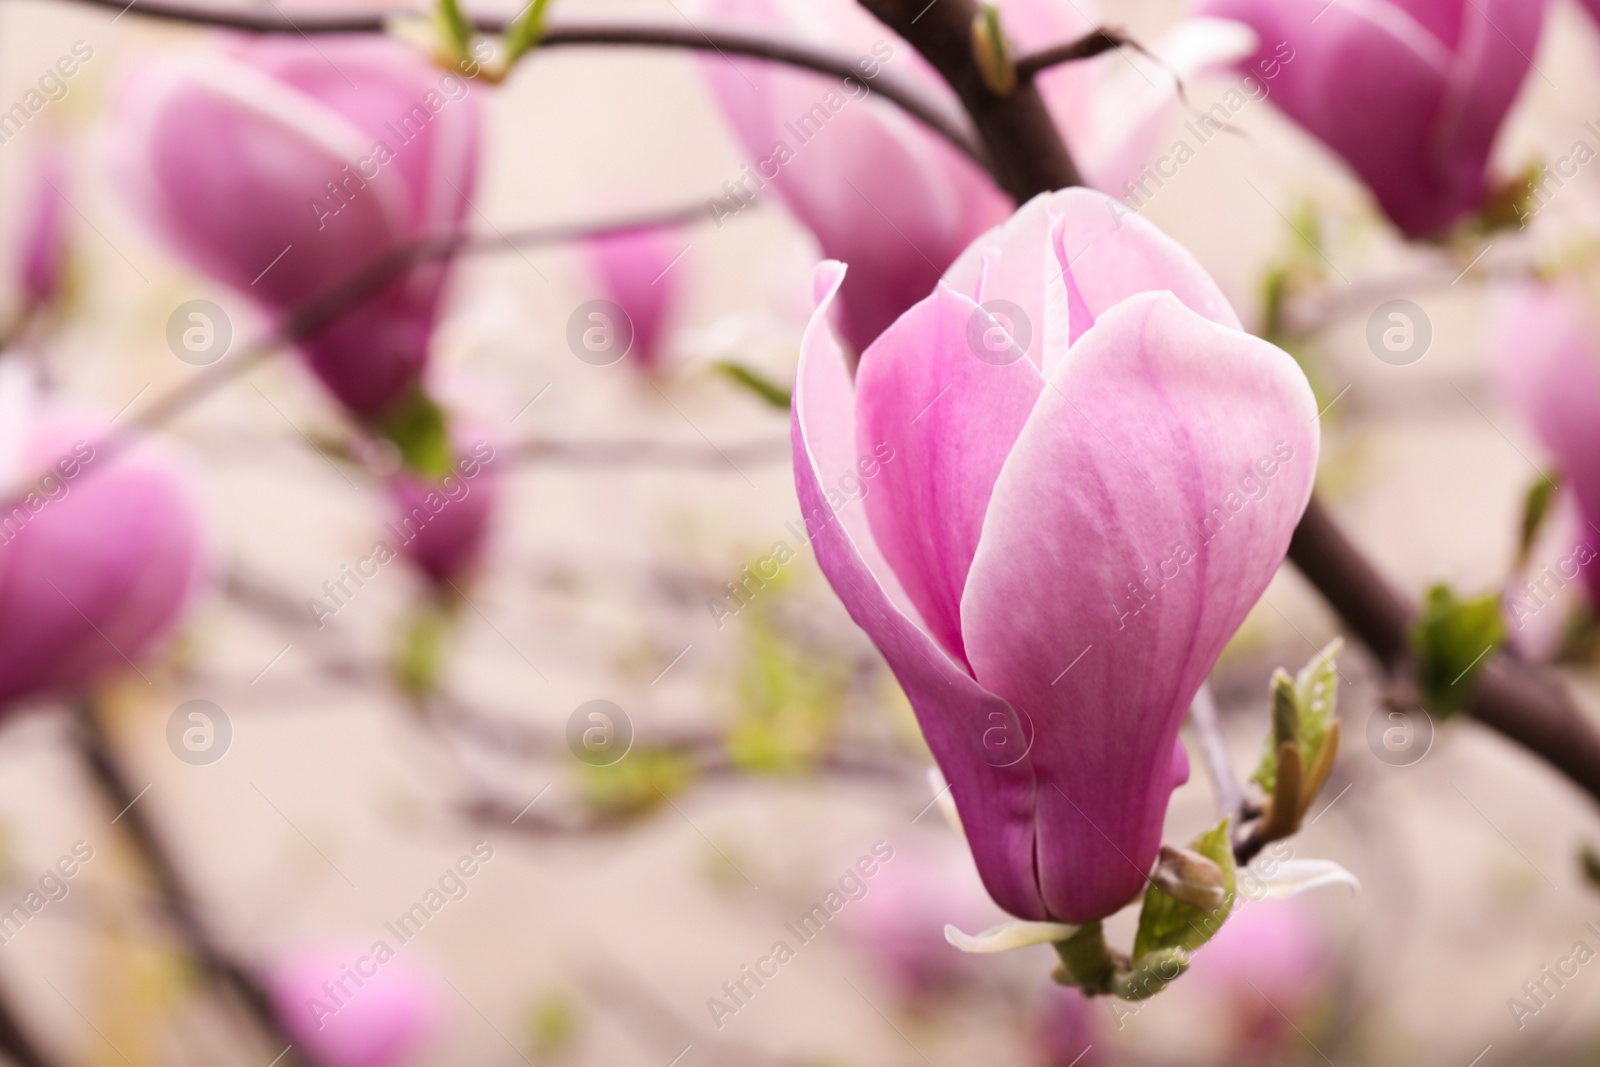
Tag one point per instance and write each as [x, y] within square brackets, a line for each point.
[944, 801]
[1008, 936]
[1290, 878]
[1148, 502]
[996, 802]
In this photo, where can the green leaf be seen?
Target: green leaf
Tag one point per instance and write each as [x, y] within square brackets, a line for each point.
[418, 428]
[421, 653]
[992, 51]
[553, 1024]
[1452, 641]
[526, 32]
[1591, 864]
[1535, 509]
[757, 383]
[1303, 709]
[454, 28]
[1167, 923]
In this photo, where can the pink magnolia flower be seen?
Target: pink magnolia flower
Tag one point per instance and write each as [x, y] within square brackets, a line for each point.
[878, 189]
[96, 565]
[638, 273]
[899, 924]
[358, 1009]
[282, 169]
[1410, 92]
[443, 525]
[1547, 363]
[1051, 551]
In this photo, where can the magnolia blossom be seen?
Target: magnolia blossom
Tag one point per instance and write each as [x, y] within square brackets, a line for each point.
[1060, 532]
[1547, 363]
[283, 168]
[637, 269]
[99, 555]
[1410, 92]
[356, 1009]
[878, 189]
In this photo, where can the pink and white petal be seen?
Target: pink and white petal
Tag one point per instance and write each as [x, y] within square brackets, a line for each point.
[1137, 466]
[951, 419]
[995, 803]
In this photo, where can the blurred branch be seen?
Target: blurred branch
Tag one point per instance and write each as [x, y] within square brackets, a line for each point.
[16, 1044]
[647, 453]
[699, 37]
[98, 752]
[314, 314]
[1511, 697]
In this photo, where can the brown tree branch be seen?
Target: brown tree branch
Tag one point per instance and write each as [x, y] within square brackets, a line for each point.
[98, 753]
[700, 37]
[1029, 156]
[1088, 46]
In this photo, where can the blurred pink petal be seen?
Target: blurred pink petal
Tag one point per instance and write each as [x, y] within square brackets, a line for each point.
[633, 266]
[97, 561]
[358, 1009]
[1412, 93]
[282, 168]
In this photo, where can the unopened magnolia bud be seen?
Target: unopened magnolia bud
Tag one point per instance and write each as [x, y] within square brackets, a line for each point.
[1191, 878]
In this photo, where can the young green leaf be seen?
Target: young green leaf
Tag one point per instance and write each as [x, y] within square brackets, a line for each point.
[1536, 506]
[1452, 641]
[1166, 922]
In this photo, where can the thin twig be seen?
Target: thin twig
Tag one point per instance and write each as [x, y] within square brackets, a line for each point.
[700, 37]
[1214, 750]
[647, 454]
[1088, 46]
[98, 753]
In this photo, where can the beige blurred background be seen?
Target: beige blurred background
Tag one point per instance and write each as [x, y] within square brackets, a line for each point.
[335, 809]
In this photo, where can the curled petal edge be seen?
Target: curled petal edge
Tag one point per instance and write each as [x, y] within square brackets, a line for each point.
[1290, 878]
[1008, 936]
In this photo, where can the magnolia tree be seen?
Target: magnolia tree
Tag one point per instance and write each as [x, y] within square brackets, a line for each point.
[1042, 460]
